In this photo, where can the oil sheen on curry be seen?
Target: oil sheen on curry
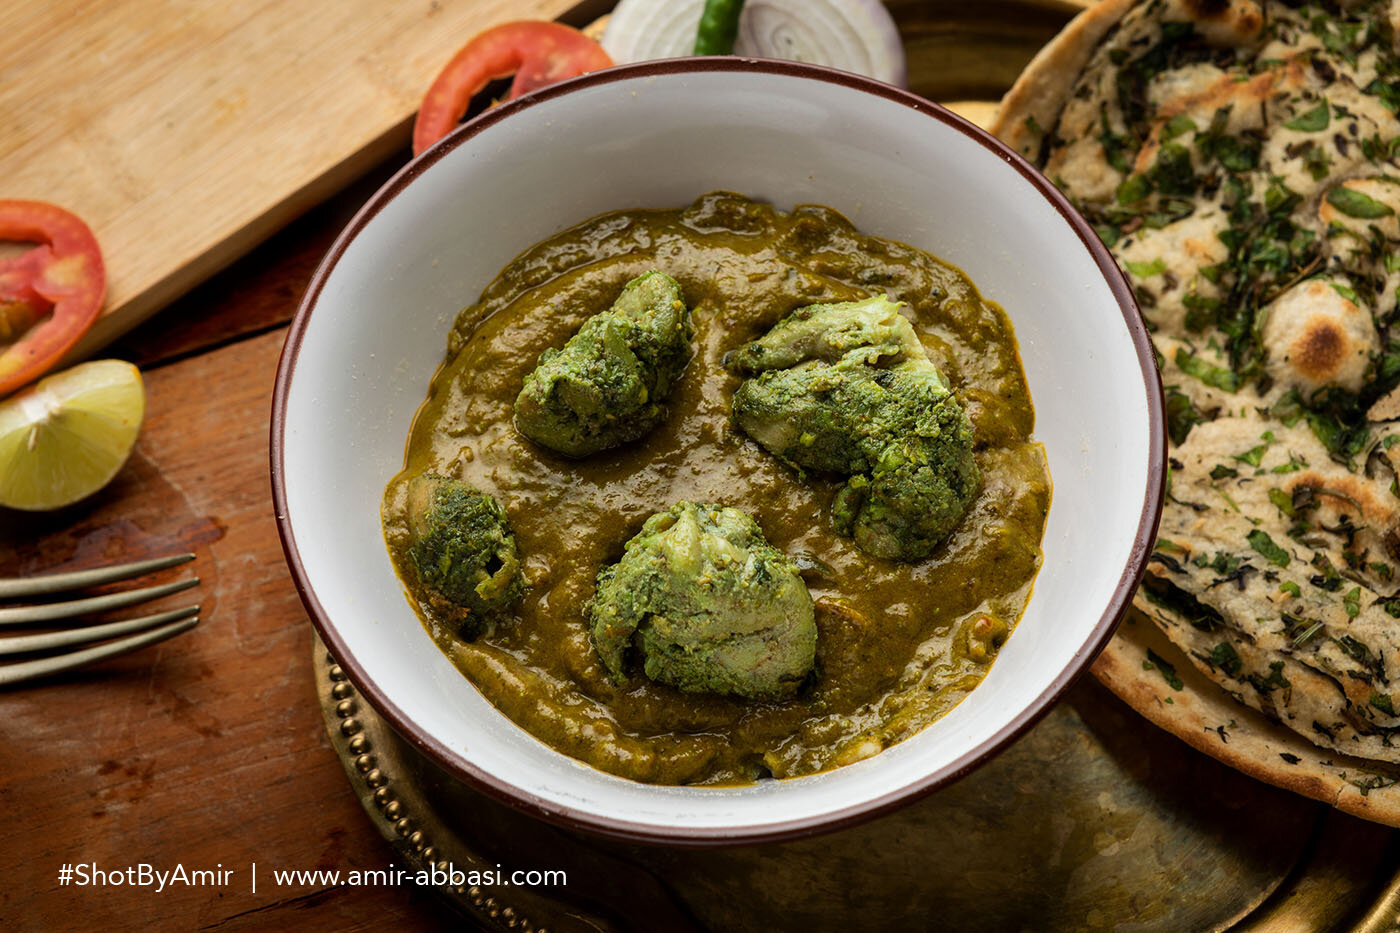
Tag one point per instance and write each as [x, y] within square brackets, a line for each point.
[713, 495]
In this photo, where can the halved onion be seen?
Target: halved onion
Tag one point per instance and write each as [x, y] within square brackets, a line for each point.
[853, 35]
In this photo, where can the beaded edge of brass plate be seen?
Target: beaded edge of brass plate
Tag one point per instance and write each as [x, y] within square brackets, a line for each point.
[369, 756]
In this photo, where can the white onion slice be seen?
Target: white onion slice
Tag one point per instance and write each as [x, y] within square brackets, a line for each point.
[853, 35]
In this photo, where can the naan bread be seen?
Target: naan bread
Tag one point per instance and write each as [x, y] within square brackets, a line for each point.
[1242, 160]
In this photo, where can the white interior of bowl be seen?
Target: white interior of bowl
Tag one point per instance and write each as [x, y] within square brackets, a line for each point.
[378, 329]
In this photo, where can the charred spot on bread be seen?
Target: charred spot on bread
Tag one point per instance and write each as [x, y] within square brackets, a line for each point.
[1318, 351]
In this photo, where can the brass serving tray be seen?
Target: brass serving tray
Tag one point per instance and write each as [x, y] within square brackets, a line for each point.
[1094, 820]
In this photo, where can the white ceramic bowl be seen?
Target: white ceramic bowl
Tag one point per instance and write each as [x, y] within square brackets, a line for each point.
[373, 327]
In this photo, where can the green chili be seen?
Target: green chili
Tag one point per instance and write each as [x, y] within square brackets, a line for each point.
[719, 26]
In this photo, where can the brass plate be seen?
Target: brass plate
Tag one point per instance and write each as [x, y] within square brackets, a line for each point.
[1092, 821]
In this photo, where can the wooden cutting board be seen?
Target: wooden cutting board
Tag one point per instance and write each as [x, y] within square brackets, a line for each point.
[185, 133]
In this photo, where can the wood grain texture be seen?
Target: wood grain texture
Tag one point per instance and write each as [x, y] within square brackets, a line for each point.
[185, 133]
[207, 749]
[258, 293]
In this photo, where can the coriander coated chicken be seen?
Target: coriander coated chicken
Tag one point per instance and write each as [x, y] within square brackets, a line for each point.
[463, 552]
[848, 389]
[610, 382]
[702, 602]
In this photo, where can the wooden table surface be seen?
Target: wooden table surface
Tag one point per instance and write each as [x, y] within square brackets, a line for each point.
[157, 120]
[207, 750]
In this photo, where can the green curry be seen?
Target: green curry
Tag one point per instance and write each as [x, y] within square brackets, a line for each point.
[899, 642]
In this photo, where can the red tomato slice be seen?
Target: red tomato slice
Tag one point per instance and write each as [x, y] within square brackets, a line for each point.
[62, 278]
[536, 52]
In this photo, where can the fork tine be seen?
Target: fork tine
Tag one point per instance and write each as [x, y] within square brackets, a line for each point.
[43, 667]
[76, 579]
[47, 641]
[48, 612]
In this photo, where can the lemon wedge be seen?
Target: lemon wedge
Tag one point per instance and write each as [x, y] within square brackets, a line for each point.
[65, 437]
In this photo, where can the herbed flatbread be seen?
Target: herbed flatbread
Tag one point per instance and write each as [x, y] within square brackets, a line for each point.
[1146, 670]
[1240, 158]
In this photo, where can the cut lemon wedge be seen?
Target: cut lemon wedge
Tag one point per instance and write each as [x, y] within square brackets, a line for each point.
[65, 437]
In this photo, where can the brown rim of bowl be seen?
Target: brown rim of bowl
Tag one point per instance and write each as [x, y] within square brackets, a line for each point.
[571, 817]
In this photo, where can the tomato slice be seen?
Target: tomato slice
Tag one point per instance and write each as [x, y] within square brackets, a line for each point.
[61, 278]
[536, 52]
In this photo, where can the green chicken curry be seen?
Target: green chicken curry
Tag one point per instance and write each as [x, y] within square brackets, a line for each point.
[712, 495]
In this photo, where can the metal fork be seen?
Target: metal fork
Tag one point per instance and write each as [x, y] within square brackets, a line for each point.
[59, 650]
